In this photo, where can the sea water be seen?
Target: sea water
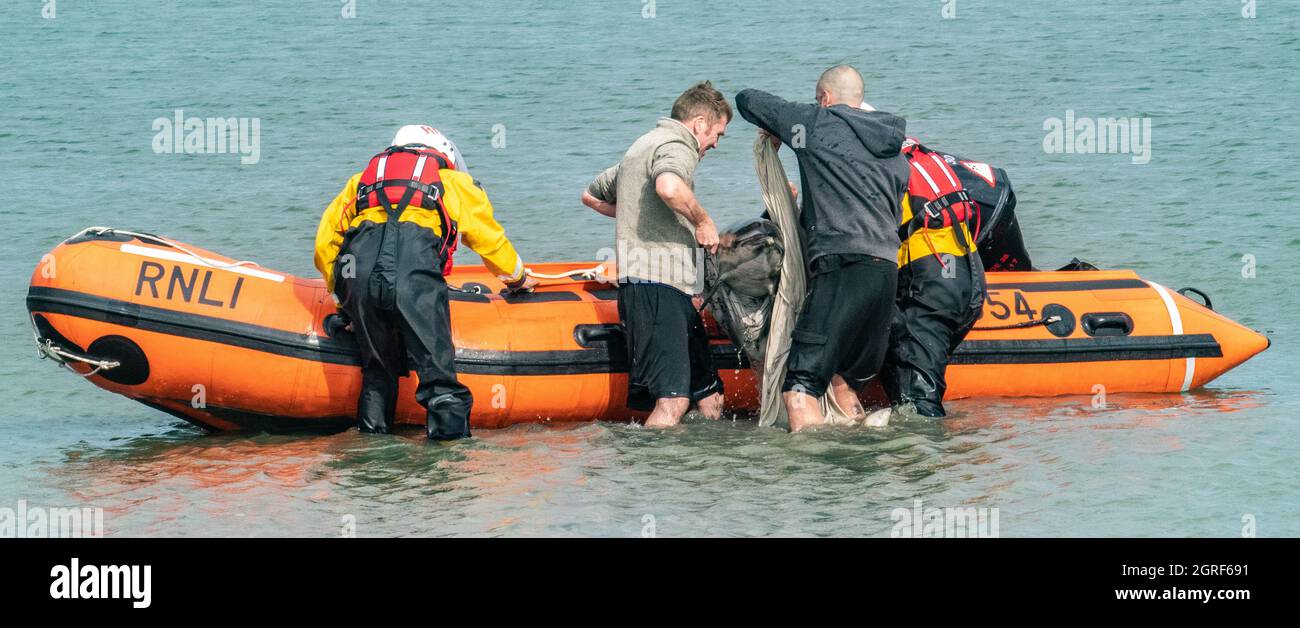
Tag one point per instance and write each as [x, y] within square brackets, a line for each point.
[540, 96]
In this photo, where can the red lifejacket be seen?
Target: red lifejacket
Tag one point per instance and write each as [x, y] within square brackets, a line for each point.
[407, 176]
[938, 198]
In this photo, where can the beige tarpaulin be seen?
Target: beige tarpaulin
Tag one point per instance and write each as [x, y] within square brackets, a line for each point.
[784, 212]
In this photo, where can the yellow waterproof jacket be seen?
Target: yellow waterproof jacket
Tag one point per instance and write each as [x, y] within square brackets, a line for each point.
[930, 241]
[466, 203]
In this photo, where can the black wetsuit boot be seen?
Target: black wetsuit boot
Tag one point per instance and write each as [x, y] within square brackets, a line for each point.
[935, 312]
[378, 401]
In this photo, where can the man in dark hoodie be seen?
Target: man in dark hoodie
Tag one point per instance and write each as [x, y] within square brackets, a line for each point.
[854, 177]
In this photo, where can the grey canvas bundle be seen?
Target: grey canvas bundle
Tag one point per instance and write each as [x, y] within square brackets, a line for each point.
[755, 288]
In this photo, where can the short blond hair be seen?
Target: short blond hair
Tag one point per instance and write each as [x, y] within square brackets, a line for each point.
[702, 99]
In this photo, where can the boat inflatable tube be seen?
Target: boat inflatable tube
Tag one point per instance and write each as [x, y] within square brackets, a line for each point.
[235, 346]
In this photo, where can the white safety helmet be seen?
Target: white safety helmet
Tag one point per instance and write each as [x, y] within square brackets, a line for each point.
[433, 138]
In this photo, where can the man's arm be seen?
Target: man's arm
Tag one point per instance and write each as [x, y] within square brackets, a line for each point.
[681, 199]
[602, 207]
[785, 120]
[671, 168]
[600, 195]
[481, 232]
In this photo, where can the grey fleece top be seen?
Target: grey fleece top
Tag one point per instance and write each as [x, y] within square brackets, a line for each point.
[853, 174]
[654, 243]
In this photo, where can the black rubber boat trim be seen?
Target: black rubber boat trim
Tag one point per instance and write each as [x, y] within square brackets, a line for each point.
[1091, 349]
[599, 357]
[1071, 286]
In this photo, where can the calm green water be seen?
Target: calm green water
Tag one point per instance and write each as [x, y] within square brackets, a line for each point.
[571, 84]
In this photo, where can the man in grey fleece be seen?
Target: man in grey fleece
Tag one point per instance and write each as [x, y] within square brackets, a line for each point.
[660, 229]
[854, 178]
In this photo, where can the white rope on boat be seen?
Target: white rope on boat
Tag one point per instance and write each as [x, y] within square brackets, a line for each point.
[166, 242]
[48, 349]
[585, 274]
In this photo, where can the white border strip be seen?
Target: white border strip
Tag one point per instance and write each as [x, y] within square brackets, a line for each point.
[925, 174]
[1176, 320]
[177, 256]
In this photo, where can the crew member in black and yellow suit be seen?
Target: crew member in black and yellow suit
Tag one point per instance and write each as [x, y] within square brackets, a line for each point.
[940, 283]
[384, 246]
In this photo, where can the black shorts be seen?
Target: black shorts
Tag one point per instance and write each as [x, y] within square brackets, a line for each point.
[667, 346]
[844, 325]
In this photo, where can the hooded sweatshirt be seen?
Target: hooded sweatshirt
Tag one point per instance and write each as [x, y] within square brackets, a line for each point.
[853, 172]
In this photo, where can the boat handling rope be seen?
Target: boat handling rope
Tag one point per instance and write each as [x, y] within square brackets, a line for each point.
[47, 349]
[583, 274]
[165, 242]
[1021, 325]
[594, 273]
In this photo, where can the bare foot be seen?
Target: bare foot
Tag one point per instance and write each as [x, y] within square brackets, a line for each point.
[668, 412]
[661, 422]
[845, 397]
[711, 407]
[803, 410]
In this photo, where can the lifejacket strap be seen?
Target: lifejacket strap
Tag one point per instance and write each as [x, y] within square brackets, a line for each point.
[933, 208]
[395, 212]
[432, 192]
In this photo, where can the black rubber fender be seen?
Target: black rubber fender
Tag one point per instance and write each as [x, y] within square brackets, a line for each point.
[133, 367]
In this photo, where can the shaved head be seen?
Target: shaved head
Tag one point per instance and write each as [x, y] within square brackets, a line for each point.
[840, 85]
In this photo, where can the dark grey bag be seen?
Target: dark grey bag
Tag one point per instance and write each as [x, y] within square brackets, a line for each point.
[741, 282]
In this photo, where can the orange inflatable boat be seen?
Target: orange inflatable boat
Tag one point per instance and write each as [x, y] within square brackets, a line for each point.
[233, 346]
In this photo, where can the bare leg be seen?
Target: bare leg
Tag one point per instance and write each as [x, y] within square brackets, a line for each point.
[668, 411]
[711, 407]
[846, 397]
[803, 410]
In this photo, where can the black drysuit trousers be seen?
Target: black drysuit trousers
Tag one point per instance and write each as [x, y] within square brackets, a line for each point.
[396, 298]
[936, 308]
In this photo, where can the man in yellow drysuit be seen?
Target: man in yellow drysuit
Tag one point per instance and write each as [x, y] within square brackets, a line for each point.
[384, 246]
